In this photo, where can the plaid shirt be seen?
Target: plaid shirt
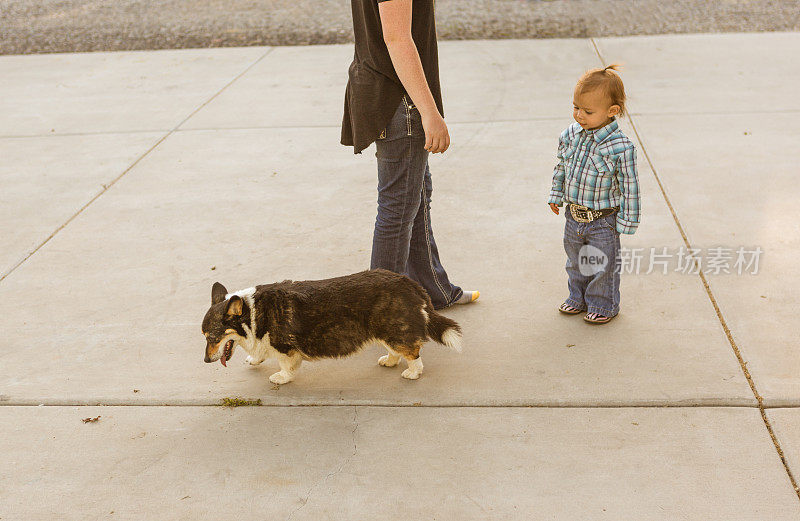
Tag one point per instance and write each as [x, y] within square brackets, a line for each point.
[599, 170]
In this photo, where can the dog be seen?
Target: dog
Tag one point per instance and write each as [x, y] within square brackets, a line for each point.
[331, 318]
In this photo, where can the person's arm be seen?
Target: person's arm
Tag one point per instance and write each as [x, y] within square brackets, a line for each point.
[628, 216]
[556, 197]
[396, 22]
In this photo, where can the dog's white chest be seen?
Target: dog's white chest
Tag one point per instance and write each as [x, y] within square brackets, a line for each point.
[258, 348]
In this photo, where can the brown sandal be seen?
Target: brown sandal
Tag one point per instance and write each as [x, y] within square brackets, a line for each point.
[596, 318]
[569, 310]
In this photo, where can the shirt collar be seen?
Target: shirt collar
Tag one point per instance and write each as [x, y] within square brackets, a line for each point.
[602, 133]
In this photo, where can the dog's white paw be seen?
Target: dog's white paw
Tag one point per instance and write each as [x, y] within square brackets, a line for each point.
[280, 378]
[388, 360]
[414, 369]
[252, 361]
[411, 374]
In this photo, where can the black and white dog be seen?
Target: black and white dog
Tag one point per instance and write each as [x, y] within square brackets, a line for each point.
[331, 318]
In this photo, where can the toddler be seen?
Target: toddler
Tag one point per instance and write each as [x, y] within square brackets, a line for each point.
[596, 180]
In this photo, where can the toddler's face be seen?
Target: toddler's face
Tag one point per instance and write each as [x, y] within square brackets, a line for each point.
[593, 109]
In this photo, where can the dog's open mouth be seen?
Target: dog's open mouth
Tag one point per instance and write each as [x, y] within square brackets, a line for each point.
[226, 352]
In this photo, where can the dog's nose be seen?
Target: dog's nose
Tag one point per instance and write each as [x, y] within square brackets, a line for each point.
[207, 360]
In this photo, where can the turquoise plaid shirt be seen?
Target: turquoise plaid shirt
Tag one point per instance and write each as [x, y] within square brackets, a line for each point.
[597, 168]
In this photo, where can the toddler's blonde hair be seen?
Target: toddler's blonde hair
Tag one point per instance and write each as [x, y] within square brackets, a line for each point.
[606, 79]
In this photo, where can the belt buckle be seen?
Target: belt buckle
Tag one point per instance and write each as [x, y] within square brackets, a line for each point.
[581, 214]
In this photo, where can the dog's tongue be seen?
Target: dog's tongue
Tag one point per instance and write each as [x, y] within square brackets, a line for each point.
[225, 352]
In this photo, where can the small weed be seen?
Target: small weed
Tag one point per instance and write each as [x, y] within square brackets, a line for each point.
[240, 402]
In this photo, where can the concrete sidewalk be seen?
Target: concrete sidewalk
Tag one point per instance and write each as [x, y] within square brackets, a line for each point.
[134, 180]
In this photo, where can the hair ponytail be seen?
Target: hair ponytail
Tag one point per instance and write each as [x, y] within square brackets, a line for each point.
[608, 80]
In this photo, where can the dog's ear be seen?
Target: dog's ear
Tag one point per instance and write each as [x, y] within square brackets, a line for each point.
[218, 293]
[235, 306]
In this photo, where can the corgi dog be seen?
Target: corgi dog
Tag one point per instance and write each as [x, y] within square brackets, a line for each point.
[332, 318]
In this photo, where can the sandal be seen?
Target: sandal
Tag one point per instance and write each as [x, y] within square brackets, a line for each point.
[569, 310]
[596, 318]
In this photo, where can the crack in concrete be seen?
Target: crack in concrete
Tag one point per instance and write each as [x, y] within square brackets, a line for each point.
[262, 127]
[720, 317]
[338, 125]
[542, 404]
[304, 501]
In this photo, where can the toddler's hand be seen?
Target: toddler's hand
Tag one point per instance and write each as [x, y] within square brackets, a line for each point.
[554, 207]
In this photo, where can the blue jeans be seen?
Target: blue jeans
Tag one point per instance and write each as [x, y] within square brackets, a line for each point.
[592, 264]
[403, 240]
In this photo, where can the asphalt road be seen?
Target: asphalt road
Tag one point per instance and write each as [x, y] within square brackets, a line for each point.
[35, 26]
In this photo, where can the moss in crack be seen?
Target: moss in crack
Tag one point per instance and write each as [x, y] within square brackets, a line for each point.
[239, 402]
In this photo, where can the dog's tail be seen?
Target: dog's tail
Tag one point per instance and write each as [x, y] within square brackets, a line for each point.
[443, 330]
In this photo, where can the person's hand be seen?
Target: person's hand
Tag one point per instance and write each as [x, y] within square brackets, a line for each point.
[554, 207]
[437, 138]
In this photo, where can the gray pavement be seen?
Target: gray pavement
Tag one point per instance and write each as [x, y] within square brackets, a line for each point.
[134, 180]
[342, 463]
[35, 26]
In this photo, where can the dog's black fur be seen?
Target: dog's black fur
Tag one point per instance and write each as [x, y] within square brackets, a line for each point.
[331, 318]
